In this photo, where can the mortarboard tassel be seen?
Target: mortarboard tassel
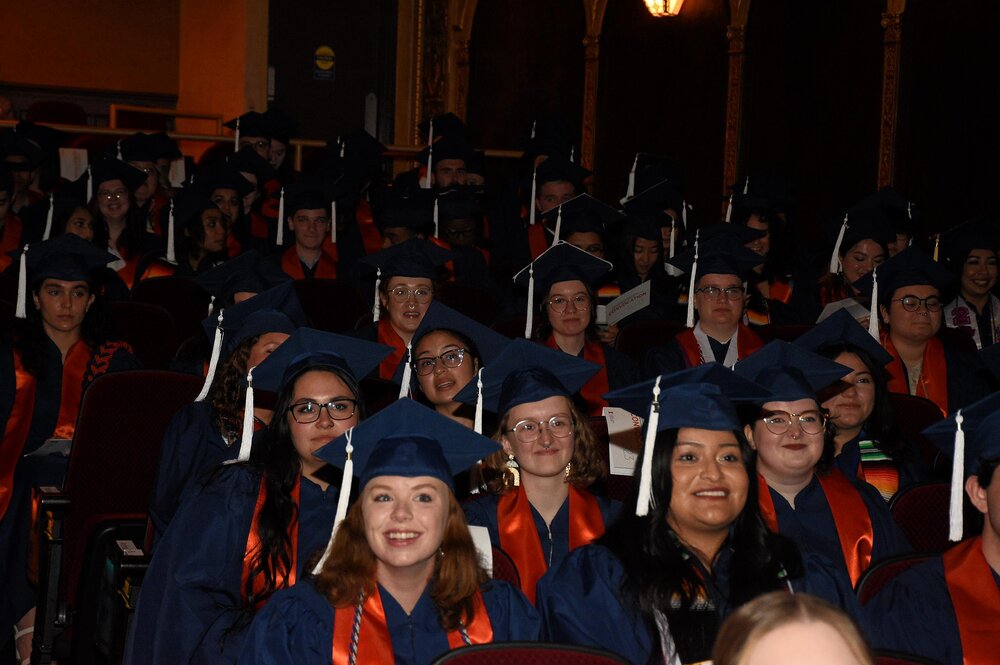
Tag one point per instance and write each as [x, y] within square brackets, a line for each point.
[20, 311]
[171, 252]
[534, 126]
[645, 500]
[211, 305]
[691, 281]
[478, 422]
[873, 311]
[835, 256]
[531, 203]
[213, 362]
[48, 217]
[246, 440]
[343, 499]
[555, 238]
[937, 246]
[119, 148]
[90, 184]
[671, 270]
[630, 190]
[281, 218]
[343, 145]
[376, 308]
[404, 387]
[426, 184]
[572, 153]
[236, 138]
[746, 186]
[333, 222]
[531, 301]
[729, 210]
[955, 518]
[909, 210]
[436, 233]
[672, 242]
[684, 215]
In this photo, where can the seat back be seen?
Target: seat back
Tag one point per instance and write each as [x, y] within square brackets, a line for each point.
[883, 657]
[529, 653]
[921, 511]
[330, 304]
[115, 450]
[185, 300]
[149, 329]
[913, 415]
[878, 576]
[637, 338]
[504, 568]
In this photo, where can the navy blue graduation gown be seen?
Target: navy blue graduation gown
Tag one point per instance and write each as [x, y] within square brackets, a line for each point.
[297, 626]
[192, 591]
[482, 511]
[914, 614]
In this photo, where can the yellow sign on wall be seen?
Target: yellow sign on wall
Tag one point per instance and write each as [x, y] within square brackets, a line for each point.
[325, 62]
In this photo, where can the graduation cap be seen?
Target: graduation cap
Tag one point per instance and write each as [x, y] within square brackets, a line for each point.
[404, 439]
[583, 209]
[68, 258]
[164, 146]
[562, 262]
[859, 223]
[445, 125]
[458, 203]
[184, 205]
[901, 213]
[280, 125]
[550, 135]
[251, 123]
[651, 169]
[439, 316]
[701, 397]
[842, 328]
[46, 138]
[358, 155]
[788, 372]
[664, 195]
[411, 209]
[109, 168]
[969, 436]
[16, 144]
[555, 169]
[447, 147]
[247, 273]
[957, 242]
[647, 225]
[524, 372]
[276, 310]
[766, 192]
[412, 258]
[247, 160]
[139, 147]
[40, 218]
[224, 175]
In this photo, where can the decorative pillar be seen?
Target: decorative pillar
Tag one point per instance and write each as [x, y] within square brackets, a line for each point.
[594, 11]
[735, 34]
[891, 47]
[433, 75]
[461, 14]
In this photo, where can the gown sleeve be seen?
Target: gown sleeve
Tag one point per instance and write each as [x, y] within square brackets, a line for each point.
[512, 616]
[296, 626]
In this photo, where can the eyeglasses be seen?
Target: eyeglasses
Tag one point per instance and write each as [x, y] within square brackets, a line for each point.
[913, 303]
[261, 144]
[309, 411]
[560, 303]
[116, 195]
[778, 422]
[421, 294]
[528, 431]
[732, 292]
[450, 359]
[460, 233]
[148, 169]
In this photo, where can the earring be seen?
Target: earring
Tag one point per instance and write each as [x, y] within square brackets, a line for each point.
[568, 465]
[512, 469]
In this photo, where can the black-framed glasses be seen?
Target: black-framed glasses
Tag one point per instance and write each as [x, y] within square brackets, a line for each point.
[560, 303]
[116, 195]
[451, 359]
[308, 411]
[421, 294]
[731, 292]
[810, 422]
[913, 303]
[528, 431]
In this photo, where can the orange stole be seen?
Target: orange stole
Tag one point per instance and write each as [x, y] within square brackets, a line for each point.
[519, 537]
[389, 337]
[976, 599]
[538, 242]
[74, 370]
[449, 265]
[282, 578]
[374, 642]
[10, 239]
[594, 390]
[850, 515]
[16, 432]
[370, 235]
[747, 342]
[933, 382]
[290, 265]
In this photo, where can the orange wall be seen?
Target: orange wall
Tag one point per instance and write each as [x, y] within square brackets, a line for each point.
[92, 44]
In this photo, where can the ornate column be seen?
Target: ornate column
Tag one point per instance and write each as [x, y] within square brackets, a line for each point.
[594, 12]
[891, 47]
[433, 78]
[735, 34]
[461, 14]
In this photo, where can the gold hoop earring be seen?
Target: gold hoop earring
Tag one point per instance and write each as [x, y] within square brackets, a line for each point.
[512, 468]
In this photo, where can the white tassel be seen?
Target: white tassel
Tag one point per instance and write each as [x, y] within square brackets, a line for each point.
[684, 215]
[531, 203]
[333, 222]
[955, 520]
[236, 139]
[426, 184]
[729, 210]
[873, 310]
[119, 148]
[534, 126]
[645, 500]
[909, 210]
[693, 277]
[555, 238]
[531, 301]
[213, 363]
[343, 499]
[746, 186]
[835, 256]
[404, 387]
[171, 252]
[478, 423]
[246, 440]
[630, 190]
[90, 184]
[281, 218]
[343, 146]
[436, 234]
[572, 153]
[48, 217]
[211, 305]
[20, 311]
[937, 246]
[376, 308]
[672, 223]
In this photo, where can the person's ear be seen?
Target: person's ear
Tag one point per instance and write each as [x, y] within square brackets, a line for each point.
[885, 313]
[748, 433]
[977, 494]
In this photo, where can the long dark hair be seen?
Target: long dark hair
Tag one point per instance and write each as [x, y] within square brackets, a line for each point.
[658, 569]
[132, 242]
[274, 457]
[545, 329]
[626, 258]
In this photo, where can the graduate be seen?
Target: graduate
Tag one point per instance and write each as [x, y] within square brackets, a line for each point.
[400, 581]
[555, 182]
[689, 548]
[716, 266]
[57, 350]
[561, 283]
[862, 239]
[248, 531]
[140, 151]
[801, 496]
[538, 507]
[910, 312]
[970, 253]
[866, 443]
[208, 431]
[308, 220]
[226, 187]
[197, 234]
[948, 608]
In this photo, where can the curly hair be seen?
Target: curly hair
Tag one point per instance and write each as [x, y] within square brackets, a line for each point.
[228, 390]
[349, 571]
[587, 466]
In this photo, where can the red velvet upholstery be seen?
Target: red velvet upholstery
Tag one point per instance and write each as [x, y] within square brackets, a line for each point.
[894, 658]
[878, 576]
[149, 329]
[635, 339]
[330, 304]
[473, 301]
[185, 300]
[504, 568]
[922, 513]
[529, 653]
